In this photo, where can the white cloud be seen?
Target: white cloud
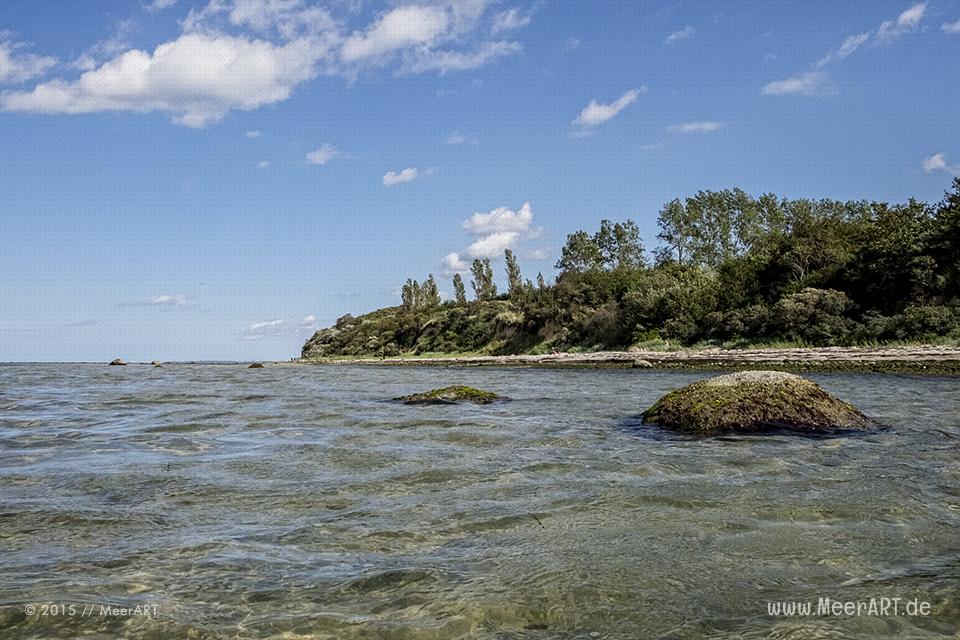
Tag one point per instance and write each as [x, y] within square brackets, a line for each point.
[456, 138]
[323, 155]
[571, 43]
[393, 178]
[493, 245]
[951, 27]
[288, 18]
[938, 162]
[805, 84]
[103, 50]
[16, 68]
[509, 20]
[197, 77]
[263, 164]
[443, 61]
[682, 34]
[852, 43]
[280, 327]
[541, 253]
[177, 300]
[696, 127]
[500, 220]
[252, 134]
[160, 5]
[498, 229]
[397, 29]
[596, 113]
[453, 263]
[244, 54]
[906, 22]
[888, 31]
[162, 300]
[256, 326]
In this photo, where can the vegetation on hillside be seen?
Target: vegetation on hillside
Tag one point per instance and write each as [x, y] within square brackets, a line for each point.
[728, 269]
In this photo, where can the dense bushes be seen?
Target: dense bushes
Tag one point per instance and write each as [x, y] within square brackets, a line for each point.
[731, 269]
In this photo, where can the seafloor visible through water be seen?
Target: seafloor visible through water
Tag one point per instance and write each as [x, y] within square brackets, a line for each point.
[295, 502]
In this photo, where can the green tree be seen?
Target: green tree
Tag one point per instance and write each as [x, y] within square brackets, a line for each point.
[579, 254]
[459, 291]
[408, 295]
[678, 232]
[620, 245]
[483, 285]
[541, 283]
[514, 279]
[431, 293]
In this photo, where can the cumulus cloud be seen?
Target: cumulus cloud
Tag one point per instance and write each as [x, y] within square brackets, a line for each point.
[509, 20]
[500, 220]
[453, 263]
[951, 27]
[397, 29]
[596, 113]
[804, 84]
[19, 67]
[393, 178]
[697, 127]
[493, 245]
[938, 162]
[323, 155]
[495, 230]
[244, 54]
[197, 77]
[682, 34]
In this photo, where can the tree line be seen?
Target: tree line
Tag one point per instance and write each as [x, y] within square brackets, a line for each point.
[727, 269]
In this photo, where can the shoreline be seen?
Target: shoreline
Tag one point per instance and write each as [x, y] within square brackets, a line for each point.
[923, 360]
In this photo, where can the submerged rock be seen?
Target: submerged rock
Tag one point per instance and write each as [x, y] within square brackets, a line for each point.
[256, 365]
[754, 401]
[451, 395]
[118, 363]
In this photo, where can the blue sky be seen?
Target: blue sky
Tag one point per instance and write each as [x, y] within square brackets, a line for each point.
[213, 180]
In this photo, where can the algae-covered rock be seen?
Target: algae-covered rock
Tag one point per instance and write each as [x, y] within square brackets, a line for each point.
[118, 363]
[751, 402]
[256, 365]
[451, 395]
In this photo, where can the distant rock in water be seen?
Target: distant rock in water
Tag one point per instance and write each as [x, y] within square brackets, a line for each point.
[451, 395]
[155, 363]
[118, 363]
[256, 365]
[751, 402]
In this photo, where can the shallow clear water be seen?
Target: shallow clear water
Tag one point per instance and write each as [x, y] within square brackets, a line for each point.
[294, 502]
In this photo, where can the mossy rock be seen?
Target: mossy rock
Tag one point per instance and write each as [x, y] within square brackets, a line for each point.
[753, 402]
[451, 395]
